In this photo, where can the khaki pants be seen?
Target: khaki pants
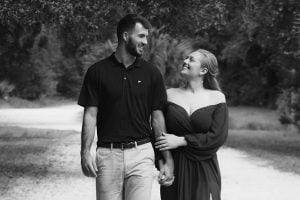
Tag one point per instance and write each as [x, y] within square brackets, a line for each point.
[125, 174]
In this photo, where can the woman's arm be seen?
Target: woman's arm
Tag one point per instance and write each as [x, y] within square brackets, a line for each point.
[211, 140]
[217, 134]
[169, 141]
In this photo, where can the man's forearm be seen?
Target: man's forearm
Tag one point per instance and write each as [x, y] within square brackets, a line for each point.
[87, 136]
[158, 125]
[88, 130]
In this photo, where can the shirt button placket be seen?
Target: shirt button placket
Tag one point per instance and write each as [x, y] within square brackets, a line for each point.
[124, 82]
[124, 75]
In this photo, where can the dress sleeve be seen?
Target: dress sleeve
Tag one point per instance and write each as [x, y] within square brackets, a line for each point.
[89, 94]
[211, 141]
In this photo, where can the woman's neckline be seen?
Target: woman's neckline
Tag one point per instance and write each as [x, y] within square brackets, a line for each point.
[196, 110]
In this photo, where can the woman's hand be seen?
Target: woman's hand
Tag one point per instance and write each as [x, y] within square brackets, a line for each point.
[169, 141]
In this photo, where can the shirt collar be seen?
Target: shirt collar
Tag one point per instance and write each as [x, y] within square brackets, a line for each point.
[137, 62]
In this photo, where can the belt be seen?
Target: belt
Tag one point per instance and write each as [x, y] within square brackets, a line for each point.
[123, 145]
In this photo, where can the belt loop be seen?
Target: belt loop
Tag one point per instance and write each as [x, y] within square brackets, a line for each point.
[122, 146]
[111, 146]
[135, 144]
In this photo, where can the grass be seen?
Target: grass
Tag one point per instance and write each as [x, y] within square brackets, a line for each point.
[252, 118]
[15, 102]
[280, 149]
[258, 132]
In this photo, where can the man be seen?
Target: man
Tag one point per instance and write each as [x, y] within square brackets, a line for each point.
[120, 94]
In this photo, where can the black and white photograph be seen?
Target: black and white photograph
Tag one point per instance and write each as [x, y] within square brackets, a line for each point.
[149, 99]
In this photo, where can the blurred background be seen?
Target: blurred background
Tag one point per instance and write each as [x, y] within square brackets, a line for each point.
[47, 46]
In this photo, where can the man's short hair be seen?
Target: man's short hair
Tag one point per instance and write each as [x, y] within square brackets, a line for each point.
[128, 22]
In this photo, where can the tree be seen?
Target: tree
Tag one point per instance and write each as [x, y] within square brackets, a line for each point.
[258, 53]
[254, 41]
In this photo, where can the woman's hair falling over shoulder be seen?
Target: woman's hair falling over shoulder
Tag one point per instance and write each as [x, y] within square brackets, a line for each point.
[210, 62]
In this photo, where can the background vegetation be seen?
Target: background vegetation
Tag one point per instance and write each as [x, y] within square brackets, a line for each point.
[46, 46]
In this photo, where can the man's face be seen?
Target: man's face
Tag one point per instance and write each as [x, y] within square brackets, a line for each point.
[137, 40]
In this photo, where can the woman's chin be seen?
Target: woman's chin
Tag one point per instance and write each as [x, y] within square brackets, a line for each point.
[184, 72]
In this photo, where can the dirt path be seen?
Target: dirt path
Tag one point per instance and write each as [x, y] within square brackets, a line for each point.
[243, 177]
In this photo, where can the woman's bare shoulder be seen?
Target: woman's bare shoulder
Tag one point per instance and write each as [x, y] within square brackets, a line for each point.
[174, 93]
[218, 96]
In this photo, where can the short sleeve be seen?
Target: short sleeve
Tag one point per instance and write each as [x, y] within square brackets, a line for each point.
[89, 94]
[159, 95]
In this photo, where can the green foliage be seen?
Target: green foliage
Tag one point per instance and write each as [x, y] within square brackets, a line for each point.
[70, 78]
[167, 53]
[45, 58]
[97, 19]
[5, 89]
[30, 61]
[289, 106]
[46, 46]
[90, 53]
[261, 47]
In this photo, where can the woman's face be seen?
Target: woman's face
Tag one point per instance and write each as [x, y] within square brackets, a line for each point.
[192, 65]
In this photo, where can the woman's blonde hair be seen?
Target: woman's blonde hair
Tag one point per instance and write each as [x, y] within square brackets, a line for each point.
[209, 61]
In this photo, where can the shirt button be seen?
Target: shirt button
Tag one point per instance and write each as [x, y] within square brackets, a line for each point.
[124, 78]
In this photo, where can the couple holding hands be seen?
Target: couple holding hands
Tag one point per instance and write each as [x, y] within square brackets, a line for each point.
[125, 98]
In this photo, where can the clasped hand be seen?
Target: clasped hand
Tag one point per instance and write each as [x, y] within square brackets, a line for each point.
[166, 176]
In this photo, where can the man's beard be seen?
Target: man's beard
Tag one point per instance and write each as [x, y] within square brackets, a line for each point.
[131, 48]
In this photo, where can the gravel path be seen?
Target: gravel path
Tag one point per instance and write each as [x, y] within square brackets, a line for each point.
[243, 177]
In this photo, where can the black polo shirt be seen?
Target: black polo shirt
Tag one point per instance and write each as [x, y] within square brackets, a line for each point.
[125, 98]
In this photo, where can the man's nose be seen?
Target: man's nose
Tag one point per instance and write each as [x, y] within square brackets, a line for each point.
[145, 41]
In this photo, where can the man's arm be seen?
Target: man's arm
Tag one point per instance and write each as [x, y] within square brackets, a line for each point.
[88, 164]
[158, 125]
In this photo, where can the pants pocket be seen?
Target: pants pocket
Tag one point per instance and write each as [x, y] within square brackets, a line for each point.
[102, 155]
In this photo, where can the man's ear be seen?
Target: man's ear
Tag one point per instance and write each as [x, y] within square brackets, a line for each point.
[125, 36]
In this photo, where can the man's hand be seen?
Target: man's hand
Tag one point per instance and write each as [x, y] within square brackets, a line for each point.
[166, 173]
[88, 165]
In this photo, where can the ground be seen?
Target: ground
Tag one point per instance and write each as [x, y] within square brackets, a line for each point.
[44, 163]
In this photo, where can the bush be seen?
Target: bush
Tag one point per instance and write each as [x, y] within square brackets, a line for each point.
[289, 106]
[90, 53]
[6, 88]
[167, 54]
[70, 78]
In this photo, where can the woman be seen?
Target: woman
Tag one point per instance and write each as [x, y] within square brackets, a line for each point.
[197, 125]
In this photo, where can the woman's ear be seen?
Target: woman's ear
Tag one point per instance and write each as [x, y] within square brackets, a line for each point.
[203, 71]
